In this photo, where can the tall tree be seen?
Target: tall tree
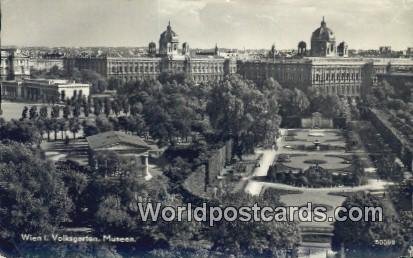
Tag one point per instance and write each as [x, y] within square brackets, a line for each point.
[43, 112]
[33, 197]
[97, 107]
[239, 110]
[359, 237]
[55, 113]
[66, 111]
[76, 110]
[24, 112]
[107, 107]
[74, 126]
[33, 112]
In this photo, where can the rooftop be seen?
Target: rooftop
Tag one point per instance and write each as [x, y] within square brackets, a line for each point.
[56, 82]
[111, 138]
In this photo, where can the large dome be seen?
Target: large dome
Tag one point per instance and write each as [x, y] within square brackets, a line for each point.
[323, 33]
[168, 42]
[169, 35]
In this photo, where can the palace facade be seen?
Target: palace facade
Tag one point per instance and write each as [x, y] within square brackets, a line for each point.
[170, 57]
[43, 90]
[325, 68]
[14, 65]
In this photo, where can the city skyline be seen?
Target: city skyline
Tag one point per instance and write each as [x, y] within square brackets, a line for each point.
[202, 23]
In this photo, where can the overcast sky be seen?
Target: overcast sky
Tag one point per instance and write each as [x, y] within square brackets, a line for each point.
[202, 23]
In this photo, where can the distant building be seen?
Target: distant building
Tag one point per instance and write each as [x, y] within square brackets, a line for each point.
[44, 90]
[170, 58]
[342, 49]
[323, 41]
[330, 76]
[409, 52]
[14, 65]
[125, 145]
[302, 48]
[385, 50]
[327, 70]
[168, 42]
[45, 63]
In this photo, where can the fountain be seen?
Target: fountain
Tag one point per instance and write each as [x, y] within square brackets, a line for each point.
[317, 144]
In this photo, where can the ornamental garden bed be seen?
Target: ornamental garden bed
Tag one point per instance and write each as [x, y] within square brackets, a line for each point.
[314, 176]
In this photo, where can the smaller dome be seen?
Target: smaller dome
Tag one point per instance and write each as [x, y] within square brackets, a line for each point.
[302, 44]
[169, 35]
[343, 44]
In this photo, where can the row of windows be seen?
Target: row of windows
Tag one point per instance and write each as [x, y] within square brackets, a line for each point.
[280, 76]
[147, 69]
[336, 77]
[15, 61]
[134, 78]
[196, 78]
[204, 78]
[207, 69]
[344, 90]
[136, 69]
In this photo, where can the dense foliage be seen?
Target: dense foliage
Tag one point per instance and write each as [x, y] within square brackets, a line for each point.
[362, 238]
[33, 197]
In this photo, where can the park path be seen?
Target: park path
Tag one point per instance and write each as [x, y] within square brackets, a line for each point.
[269, 155]
[254, 187]
[303, 195]
[266, 160]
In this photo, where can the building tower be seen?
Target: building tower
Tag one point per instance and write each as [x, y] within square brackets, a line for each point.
[152, 49]
[216, 50]
[302, 48]
[323, 41]
[185, 49]
[168, 42]
[342, 49]
[273, 52]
